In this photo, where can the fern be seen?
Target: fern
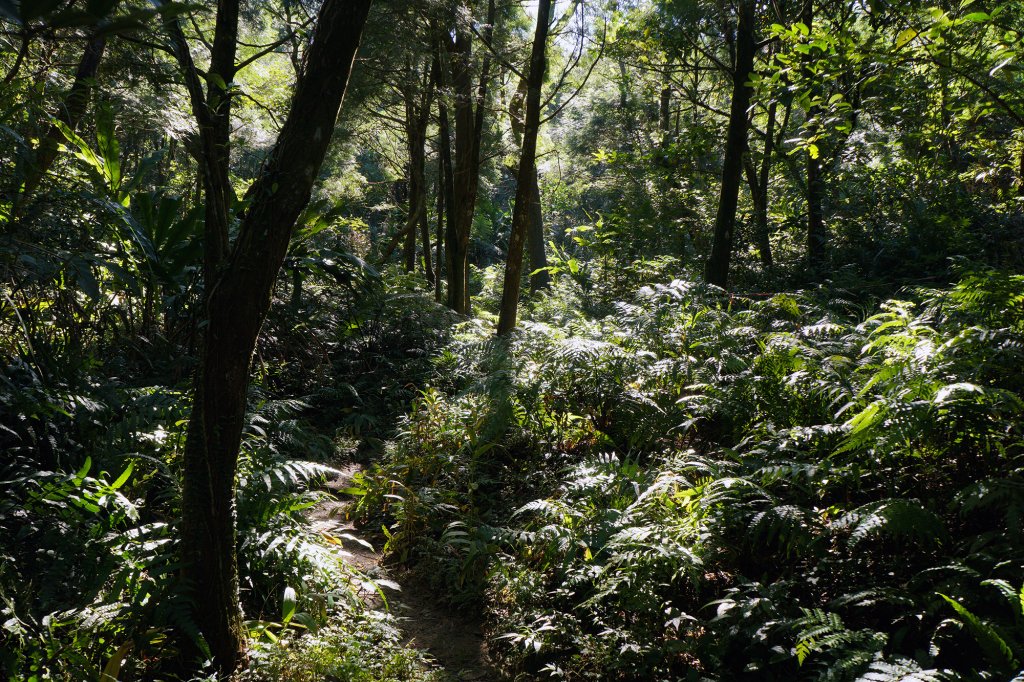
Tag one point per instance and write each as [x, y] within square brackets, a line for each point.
[902, 670]
[897, 519]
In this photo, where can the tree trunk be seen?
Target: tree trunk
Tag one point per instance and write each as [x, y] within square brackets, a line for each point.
[26, 38]
[527, 167]
[409, 247]
[417, 118]
[539, 276]
[428, 262]
[439, 235]
[664, 116]
[447, 180]
[465, 184]
[71, 113]
[238, 299]
[817, 238]
[717, 269]
[469, 123]
[758, 183]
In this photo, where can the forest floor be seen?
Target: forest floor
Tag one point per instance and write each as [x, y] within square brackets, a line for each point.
[454, 640]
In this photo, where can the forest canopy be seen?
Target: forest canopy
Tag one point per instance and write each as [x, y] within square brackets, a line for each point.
[511, 340]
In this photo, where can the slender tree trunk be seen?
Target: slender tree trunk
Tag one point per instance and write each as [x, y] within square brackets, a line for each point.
[238, 298]
[465, 184]
[527, 166]
[448, 189]
[75, 104]
[717, 269]
[26, 38]
[417, 116]
[758, 183]
[220, 195]
[817, 238]
[539, 276]
[664, 116]
[409, 247]
[439, 235]
[469, 124]
[428, 262]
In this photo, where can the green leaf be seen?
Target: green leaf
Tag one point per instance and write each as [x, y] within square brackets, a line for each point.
[288, 605]
[978, 17]
[944, 394]
[84, 152]
[995, 648]
[906, 36]
[123, 478]
[217, 80]
[85, 279]
[80, 475]
[110, 150]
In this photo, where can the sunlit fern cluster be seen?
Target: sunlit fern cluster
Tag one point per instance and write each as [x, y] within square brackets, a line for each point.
[712, 473]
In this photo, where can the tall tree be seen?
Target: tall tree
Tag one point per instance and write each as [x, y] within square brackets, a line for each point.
[817, 238]
[469, 124]
[240, 276]
[717, 268]
[539, 277]
[527, 172]
[418, 93]
[446, 186]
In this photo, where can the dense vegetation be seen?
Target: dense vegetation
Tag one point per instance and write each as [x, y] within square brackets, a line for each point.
[680, 339]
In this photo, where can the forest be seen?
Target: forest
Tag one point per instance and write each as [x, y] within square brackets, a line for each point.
[440, 340]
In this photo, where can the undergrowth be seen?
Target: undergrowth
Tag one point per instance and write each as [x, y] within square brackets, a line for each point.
[706, 486]
[90, 502]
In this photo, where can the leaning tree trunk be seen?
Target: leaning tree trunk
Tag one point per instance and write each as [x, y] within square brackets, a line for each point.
[717, 269]
[527, 166]
[75, 104]
[237, 303]
[539, 277]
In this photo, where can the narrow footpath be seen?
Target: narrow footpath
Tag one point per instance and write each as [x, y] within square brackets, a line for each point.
[454, 640]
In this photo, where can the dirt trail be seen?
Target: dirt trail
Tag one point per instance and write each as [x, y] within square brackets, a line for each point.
[454, 640]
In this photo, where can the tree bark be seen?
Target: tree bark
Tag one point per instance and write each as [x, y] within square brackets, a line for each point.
[716, 270]
[417, 118]
[817, 238]
[527, 167]
[758, 183]
[409, 247]
[448, 190]
[469, 124]
[238, 298]
[539, 276]
[75, 104]
[439, 235]
[26, 38]
[465, 184]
